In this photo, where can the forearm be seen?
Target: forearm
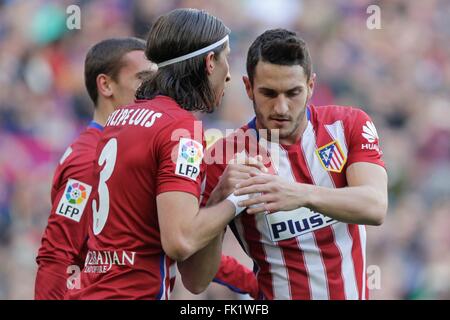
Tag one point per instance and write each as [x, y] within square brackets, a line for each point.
[358, 205]
[198, 271]
[207, 224]
[215, 197]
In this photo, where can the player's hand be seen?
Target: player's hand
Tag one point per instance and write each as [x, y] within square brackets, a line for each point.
[236, 172]
[270, 193]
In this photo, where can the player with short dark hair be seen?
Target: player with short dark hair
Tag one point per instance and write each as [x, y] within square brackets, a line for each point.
[304, 222]
[113, 70]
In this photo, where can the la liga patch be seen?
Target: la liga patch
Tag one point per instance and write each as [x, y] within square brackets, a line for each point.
[190, 155]
[74, 200]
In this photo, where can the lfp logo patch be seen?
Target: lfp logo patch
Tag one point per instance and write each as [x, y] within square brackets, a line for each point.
[76, 193]
[331, 157]
[190, 155]
[191, 152]
[74, 200]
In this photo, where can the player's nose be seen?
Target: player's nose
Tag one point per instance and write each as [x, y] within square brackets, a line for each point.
[281, 105]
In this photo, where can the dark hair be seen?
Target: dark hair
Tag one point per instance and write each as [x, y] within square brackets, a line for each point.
[177, 33]
[106, 57]
[278, 46]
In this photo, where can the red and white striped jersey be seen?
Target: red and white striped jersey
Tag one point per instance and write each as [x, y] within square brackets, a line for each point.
[302, 254]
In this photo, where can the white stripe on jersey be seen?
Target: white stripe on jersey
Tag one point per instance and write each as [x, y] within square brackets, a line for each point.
[172, 275]
[163, 279]
[344, 243]
[274, 254]
[319, 176]
[342, 236]
[336, 131]
[362, 236]
[315, 267]
[172, 270]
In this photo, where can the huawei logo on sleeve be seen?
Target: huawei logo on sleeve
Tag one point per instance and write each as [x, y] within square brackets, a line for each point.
[371, 135]
[370, 132]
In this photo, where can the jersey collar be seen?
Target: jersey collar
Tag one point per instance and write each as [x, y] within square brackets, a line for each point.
[95, 125]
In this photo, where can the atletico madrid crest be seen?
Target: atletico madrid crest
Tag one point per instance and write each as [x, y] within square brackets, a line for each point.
[331, 156]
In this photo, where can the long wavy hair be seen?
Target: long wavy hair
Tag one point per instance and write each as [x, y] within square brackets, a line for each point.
[177, 33]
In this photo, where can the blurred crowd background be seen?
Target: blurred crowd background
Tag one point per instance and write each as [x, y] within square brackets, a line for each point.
[399, 74]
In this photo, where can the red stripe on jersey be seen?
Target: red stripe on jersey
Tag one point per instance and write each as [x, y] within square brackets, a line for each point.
[357, 256]
[294, 259]
[332, 259]
[254, 243]
[298, 164]
[296, 268]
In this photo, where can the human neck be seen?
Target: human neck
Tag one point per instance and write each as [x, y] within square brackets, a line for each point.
[102, 112]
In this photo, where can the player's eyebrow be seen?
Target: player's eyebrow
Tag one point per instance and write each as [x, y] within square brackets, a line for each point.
[268, 91]
[143, 74]
[274, 93]
[297, 88]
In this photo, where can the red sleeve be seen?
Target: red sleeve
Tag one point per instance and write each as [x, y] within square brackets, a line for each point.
[236, 277]
[180, 158]
[364, 145]
[213, 173]
[64, 239]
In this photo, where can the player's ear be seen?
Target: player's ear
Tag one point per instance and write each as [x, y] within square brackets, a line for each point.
[311, 83]
[104, 87]
[248, 87]
[210, 63]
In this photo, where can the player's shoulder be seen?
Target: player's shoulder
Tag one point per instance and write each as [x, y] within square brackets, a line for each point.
[82, 147]
[87, 141]
[328, 114]
[78, 156]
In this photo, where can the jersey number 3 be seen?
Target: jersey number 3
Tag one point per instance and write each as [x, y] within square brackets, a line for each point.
[107, 157]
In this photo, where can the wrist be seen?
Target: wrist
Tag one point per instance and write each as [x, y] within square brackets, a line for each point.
[309, 195]
[215, 197]
[235, 200]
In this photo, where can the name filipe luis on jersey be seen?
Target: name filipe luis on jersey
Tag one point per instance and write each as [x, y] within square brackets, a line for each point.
[138, 117]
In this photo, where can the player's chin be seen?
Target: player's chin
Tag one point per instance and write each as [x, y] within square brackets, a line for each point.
[277, 126]
[280, 133]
